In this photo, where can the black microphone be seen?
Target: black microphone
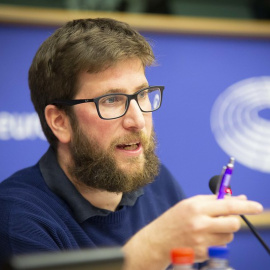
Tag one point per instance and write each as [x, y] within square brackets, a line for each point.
[213, 183]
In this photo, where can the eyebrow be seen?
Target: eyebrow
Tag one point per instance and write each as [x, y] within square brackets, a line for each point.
[119, 90]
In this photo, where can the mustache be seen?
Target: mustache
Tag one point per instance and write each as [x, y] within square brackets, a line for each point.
[135, 137]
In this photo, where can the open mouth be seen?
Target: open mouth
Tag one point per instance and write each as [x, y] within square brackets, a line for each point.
[129, 147]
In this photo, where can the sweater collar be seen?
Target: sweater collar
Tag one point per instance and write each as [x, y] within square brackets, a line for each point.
[59, 183]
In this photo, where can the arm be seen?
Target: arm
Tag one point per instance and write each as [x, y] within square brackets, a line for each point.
[197, 222]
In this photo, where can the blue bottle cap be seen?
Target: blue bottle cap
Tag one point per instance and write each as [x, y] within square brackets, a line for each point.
[218, 252]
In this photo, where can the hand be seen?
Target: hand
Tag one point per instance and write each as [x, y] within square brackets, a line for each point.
[197, 222]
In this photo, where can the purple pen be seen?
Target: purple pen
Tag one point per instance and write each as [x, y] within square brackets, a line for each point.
[225, 179]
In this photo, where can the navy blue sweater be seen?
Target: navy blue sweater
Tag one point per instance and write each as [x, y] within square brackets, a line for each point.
[35, 219]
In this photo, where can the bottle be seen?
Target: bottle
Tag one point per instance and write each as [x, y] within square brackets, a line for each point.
[218, 259]
[182, 258]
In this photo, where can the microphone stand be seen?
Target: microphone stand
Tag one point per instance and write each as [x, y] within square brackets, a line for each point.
[253, 230]
[212, 185]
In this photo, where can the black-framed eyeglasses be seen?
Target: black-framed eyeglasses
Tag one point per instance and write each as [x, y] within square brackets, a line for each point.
[112, 106]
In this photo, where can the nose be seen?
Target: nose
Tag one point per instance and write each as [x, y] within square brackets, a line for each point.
[134, 117]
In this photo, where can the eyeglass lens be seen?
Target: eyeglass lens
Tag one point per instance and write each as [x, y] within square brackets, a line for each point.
[113, 106]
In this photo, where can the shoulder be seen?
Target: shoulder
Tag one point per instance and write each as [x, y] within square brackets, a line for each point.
[27, 176]
[165, 173]
[25, 191]
[166, 178]
[26, 184]
[32, 214]
[166, 185]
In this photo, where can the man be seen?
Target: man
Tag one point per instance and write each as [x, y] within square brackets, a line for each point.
[100, 183]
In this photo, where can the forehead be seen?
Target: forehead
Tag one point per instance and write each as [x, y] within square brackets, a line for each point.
[125, 76]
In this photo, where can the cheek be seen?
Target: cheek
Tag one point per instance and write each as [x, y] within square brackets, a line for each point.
[99, 130]
[103, 134]
[149, 123]
[92, 125]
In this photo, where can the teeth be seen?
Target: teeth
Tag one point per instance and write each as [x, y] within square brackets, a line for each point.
[131, 146]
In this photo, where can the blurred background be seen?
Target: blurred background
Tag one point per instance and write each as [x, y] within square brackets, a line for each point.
[214, 60]
[255, 9]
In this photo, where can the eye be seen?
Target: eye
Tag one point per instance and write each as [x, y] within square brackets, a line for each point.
[143, 94]
[112, 100]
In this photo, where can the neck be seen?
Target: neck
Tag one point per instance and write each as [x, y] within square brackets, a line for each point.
[99, 198]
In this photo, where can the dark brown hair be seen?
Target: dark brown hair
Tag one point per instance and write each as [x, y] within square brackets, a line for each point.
[90, 45]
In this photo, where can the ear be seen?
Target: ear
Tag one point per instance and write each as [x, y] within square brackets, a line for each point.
[59, 123]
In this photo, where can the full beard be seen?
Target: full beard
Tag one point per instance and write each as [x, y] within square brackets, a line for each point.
[95, 168]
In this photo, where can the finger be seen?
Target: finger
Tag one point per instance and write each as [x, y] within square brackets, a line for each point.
[234, 207]
[202, 198]
[220, 239]
[226, 224]
[242, 197]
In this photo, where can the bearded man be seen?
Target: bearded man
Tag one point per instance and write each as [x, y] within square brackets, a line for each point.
[100, 183]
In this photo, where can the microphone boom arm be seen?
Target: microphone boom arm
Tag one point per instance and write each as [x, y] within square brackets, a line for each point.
[213, 185]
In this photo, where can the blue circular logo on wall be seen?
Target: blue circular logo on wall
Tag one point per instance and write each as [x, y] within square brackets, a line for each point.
[240, 122]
